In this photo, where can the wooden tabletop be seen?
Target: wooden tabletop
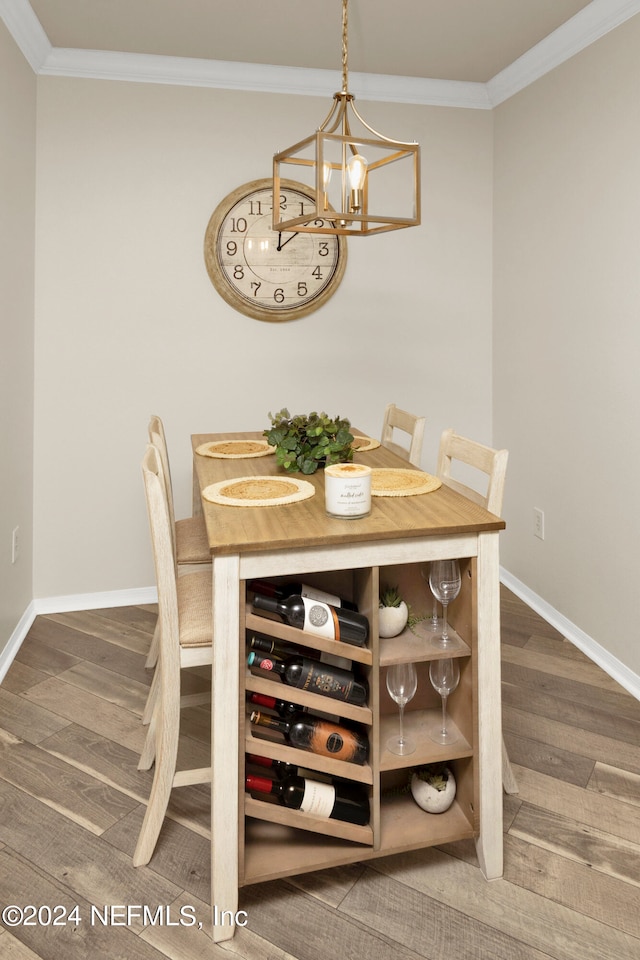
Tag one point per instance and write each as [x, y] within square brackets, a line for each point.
[305, 523]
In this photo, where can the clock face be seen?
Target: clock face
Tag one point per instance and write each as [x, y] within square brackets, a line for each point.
[261, 272]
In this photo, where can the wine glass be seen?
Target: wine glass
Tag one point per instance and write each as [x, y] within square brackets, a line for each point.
[402, 681]
[444, 675]
[434, 620]
[444, 580]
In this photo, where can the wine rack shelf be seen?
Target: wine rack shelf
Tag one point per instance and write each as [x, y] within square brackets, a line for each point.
[417, 644]
[275, 849]
[277, 750]
[417, 726]
[278, 841]
[302, 821]
[281, 691]
[274, 628]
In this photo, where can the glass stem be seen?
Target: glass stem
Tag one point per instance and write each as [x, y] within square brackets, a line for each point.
[434, 615]
[444, 715]
[445, 624]
[401, 709]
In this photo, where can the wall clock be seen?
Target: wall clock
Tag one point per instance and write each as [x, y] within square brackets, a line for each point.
[261, 272]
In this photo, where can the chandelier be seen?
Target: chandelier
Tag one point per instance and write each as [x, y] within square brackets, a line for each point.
[352, 196]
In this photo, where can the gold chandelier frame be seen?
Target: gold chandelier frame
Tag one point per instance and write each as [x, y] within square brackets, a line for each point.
[351, 194]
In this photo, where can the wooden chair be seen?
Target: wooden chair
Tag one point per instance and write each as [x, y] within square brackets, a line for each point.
[192, 545]
[493, 464]
[397, 419]
[185, 619]
[190, 535]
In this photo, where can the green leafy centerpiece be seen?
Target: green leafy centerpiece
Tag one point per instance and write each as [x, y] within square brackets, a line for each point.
[308, 441]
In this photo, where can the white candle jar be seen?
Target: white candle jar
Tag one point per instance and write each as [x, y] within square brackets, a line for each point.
[347, 490]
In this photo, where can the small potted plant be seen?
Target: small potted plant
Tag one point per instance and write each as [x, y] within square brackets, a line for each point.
[308, 441]
[393, 613]
[433, 787]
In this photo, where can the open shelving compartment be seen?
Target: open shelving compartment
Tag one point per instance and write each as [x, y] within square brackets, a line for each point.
[277, 841]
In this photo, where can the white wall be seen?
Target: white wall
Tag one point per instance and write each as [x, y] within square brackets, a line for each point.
[567, 335]
[128, 323]
[17, 216]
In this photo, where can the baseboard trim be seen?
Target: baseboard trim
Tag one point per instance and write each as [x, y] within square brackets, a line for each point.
[125, 598]
[610, 664]
[15, 640]
[80, 601]
[96, 601]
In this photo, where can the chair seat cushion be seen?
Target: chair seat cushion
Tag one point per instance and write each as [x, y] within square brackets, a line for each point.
[195, 612]
[192, 544]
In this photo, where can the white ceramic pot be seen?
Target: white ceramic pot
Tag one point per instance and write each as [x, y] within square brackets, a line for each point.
[392, 620]
[429, 797]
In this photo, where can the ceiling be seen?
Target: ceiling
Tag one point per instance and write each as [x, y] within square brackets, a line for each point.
[468, 40]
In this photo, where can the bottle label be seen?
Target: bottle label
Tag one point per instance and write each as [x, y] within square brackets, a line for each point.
[330, 740]
[318, 798]
[313, 593]
[320, 619]
[320, 678]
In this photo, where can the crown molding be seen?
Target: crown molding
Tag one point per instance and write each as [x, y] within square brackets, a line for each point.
[25, 28]
[265, 78]
[583, 29]
[587, 26]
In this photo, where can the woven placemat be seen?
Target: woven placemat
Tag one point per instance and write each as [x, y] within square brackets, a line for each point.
[397, 482]
[235, 449]
[365, 443]
[258, 491]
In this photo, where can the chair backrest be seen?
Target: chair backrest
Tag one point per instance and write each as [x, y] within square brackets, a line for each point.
[397, 419]
[158, 438]
[163, 555]
[491, 462]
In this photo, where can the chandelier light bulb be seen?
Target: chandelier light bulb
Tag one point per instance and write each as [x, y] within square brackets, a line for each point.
[357, 174]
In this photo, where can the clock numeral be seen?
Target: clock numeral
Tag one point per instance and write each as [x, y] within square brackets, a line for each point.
[238, 272]
[302, 289]
[232, 248]
[255, 208]
[323, 248]
[317, 273]
[284, 201]
[255, 286]
[238, 225]
[278, 295]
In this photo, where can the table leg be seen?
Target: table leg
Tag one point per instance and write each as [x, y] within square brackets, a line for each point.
[489, 844]
[224, 745]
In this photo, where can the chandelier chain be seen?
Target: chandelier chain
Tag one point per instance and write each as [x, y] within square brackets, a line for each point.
[345, 45]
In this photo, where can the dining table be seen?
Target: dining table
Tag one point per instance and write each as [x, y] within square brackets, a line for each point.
[298, 538]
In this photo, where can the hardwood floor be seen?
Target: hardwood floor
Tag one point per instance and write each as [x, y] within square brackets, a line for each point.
[72, 801]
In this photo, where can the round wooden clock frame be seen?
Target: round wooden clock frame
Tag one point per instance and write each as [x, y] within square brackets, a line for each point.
[263, 273]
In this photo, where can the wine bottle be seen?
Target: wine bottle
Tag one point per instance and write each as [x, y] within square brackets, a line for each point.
[337, 801]
[282, 769]
[305, 674]
[318, 736]
[318, 618]
[281, 707]
[281, 649]
[279, 767]
[281, 591]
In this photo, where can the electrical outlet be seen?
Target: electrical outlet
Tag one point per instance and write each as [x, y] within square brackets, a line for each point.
[538, 523]
[15, 543]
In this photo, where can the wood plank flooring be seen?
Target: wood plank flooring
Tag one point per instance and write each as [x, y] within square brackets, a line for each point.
[72, 801]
